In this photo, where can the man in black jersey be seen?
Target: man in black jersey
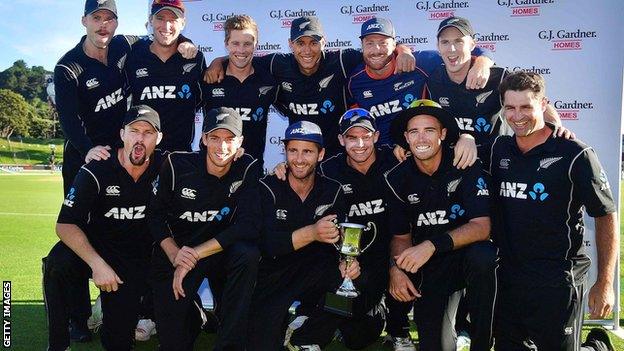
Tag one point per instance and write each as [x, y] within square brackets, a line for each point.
[161, 78]
[439, 219]
[312, 81]
[298, 229]
[360, 170]
[246, 88]
[204, 219]
[544, 186]
[104, 235]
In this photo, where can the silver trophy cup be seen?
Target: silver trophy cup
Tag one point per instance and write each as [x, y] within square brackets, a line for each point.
[349, 246]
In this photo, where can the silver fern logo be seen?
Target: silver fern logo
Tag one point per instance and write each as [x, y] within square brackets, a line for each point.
[122, 61]
[321, 209]
[547, 162]
[264, 90]
[325, 82]
[452, 185]
[188, 67]
[482, 97]
[235, 186]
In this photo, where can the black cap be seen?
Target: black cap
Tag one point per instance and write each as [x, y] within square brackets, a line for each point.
[95, 5]
[305, 131]
[357, 117]
[423, 107]
[377, 25]
[309, 26]
[142, 113]
[462, 24]
[223, 118]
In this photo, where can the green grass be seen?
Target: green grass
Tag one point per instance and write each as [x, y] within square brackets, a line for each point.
[29, 151]
[27, 215]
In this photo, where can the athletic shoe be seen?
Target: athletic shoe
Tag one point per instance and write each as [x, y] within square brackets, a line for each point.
[314, 347]
[402, 344]
[78, 332]
[463, 341]
[95, 321]
[144, 330]
[599, 336]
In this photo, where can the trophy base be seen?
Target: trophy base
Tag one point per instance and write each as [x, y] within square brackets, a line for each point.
[340, 305]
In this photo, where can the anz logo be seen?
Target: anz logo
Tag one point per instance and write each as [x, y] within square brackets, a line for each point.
[69, 199]
[312, 109]
[366, 208]
[109, 100]
[481, 125]
[519, 191]
[248, 114]
[166, 92]
[432, 218]
[136, 212]
[205, 216]
[386, 108]
[482, 187]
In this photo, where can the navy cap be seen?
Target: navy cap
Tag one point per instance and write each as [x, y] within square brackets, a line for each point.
[95, 5]
[142, 113]
[377, 25]
[223, 118]
[308, 26]
[357, 117]
[423, 107]
[462, 24]
[305, 131]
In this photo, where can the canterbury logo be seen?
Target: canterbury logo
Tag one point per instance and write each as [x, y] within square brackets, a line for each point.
[325, 82]
[547, 162]
[141, 72]
[92, 83]
[452, 185]
[113, 190]
[483, 96]
[188, 193]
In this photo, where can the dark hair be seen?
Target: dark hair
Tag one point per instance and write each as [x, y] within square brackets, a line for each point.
[240, 22]
[522, 80]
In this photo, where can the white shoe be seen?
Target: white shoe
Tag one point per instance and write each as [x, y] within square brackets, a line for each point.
[463, 342]
[403, 344]
[95, 321]
[144, 330]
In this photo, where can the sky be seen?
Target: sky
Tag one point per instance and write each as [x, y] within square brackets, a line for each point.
[41, 31]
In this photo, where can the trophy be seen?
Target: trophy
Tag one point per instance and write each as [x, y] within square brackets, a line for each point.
[348, 246]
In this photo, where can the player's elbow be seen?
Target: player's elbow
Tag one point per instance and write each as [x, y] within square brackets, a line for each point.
[483, 226]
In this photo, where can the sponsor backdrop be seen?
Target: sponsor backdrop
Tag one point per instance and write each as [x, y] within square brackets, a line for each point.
[570, 42]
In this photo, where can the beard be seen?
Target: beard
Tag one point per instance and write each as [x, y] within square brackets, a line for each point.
[141, 160]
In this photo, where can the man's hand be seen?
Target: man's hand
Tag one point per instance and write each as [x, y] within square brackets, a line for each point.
[187, 50]
[354, 269]
[280, 170]
[215, 72]
[104, 277]
[600, 300]
[99, 152]
[178, 278]
[479, 73]
[400, 153]
[401, 286]
[405, 60]
[465, 153]
[186, 257]
[325, 230]
[563, 132]
[415, 257]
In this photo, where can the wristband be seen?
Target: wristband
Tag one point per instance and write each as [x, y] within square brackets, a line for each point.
[442, 243]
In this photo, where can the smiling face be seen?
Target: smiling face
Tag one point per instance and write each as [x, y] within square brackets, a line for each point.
[221, 145]
[455, 49]
[424, 135]
[377, 51]
[302, 158]
[307, 51]
[359, 144]
[241, 45]
[100, 26]
[167, 28]
[524, 111]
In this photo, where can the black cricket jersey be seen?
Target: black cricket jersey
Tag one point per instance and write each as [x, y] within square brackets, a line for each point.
[319, 98]
[541, 198]
[252, 99]
[111, 208]
[283, 212]
[91, 97]
[193, 206]
[171, 88]
[364, 196]
[477, 111]
[428, 206]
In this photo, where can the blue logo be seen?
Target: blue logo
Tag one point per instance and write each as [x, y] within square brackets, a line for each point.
[482, 125]
[328, 106]
[481, 184]
[538, 192]
[258, 115]
[185, 92]
[71, 194]
[224, 212]
[408, 100]
[456, 211]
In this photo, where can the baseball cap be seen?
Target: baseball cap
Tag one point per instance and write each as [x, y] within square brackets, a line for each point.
[308, 26]
[357, 117]
[462, 24]
[304, 130]
[142, 113]
[95, 5]
[423, 107]
[223, 118]
[377, 25]
[175, 6]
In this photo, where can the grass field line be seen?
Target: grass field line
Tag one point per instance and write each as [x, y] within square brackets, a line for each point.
[28, 214]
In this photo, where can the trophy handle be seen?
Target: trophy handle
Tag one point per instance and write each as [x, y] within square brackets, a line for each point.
[370, 225]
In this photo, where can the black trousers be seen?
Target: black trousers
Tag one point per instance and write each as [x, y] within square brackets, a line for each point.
[62, 269]
[441, 281]
[178, 321]
[540, 318]
[278, 287]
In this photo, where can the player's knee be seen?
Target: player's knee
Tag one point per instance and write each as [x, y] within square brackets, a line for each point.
[245, 254]
[481, 257]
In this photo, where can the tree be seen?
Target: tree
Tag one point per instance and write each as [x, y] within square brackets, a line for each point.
[28, 82]
[14, 114]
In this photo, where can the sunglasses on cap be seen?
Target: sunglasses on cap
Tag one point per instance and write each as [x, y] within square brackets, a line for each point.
[424, 102]
[355, 113]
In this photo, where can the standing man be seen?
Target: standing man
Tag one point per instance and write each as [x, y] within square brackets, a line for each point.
[162, 78]
[439, 219]
[545, 184]
[298, 258]
[103, 231]
[204, 219]
[246, 88]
